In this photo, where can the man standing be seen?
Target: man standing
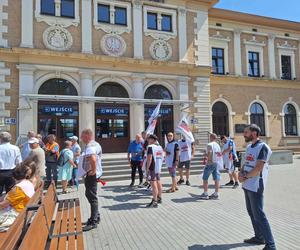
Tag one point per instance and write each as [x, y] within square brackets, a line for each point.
[25, 147]
[229, 155]
[254, 175]
[187, 152]
[91, 164]
[52, 153]
[135, 159]
[10, 156]
[172, 159]
[76, 153]
[214, 163]
[37, 155]
[154, 164]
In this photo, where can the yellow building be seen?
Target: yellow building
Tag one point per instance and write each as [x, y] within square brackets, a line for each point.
[69, 64]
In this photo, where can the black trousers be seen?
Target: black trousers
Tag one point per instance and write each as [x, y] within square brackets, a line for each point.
[136, 165]
[90, 183]
[51, 172]
[6, 181]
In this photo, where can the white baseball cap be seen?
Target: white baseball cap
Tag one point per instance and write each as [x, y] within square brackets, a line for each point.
[74, 137]
[33, 140]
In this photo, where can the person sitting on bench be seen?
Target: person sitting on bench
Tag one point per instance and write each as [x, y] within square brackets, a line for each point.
[17, 198]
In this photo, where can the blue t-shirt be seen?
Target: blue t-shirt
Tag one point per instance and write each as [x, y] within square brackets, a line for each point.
[136, 151]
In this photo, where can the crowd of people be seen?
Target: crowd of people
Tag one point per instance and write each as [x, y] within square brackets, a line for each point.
[21, 168]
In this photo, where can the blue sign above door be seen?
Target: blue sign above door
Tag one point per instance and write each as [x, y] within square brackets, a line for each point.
[58, 109]
[111, 111]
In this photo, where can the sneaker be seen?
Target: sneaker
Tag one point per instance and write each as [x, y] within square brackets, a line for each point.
[146, 184]
[231, 183]
[152, 204]
[159, 200]
[131, 184]
[180, 181]
[204, 197]
[254, 241]
[236, 185]
[89, 227]
[149, 186]
[188, 183]
[214, 196]
[268, 248]
[140, 185]
[89, 221]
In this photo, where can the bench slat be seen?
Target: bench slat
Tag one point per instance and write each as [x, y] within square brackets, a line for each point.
[71, 243]
[57, 225]
[62, 244]
[78, 226]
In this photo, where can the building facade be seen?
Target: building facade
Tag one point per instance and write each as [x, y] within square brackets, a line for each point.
[67, 65]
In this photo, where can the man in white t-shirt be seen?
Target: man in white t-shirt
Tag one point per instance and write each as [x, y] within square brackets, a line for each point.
[213, 165]
[186, 154]
[91, 164]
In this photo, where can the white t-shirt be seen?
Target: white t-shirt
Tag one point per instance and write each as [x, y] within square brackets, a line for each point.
[185, 148]
[217, 158]
[157, 154]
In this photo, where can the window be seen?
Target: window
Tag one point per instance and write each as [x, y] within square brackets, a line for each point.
[254, 70]
[218, 61]
[220, 119]
[57, 86]
[158, 92]
[286, 69]
[257, 116]
[67, 8]
[290, 120]
[48, 7]
[111, 89]
[120, 16]
[152, 21]
[103, 13]
[166, 23]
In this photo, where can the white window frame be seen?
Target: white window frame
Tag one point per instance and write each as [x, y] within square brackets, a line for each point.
[160, 12]
[221, 43]
[57, 19]
[282, 114]
[112, 27]
[287, 52]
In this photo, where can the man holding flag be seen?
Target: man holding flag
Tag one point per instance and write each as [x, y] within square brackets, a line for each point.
[153, 120]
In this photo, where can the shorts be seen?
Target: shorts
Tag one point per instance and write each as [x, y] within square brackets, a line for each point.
[211, 169]
[229, 166]
[187, 164]
[154, 176]
[172, 171]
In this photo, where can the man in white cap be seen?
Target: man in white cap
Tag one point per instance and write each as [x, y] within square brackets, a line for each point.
[37, 154]
[76, 154]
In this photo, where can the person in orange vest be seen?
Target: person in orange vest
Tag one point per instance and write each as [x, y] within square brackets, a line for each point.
[52, 153]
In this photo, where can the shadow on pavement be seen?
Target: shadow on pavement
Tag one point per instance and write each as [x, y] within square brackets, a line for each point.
[193, 198]
[218, 247]
[125, 206]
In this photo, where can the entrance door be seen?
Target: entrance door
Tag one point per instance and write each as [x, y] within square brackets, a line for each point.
[165, 123]
[112, 127]
[220, 119]
[58, 119]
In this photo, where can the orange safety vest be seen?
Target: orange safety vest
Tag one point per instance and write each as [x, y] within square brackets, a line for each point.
[50, 147]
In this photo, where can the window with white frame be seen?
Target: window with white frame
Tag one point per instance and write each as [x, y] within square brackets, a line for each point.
[255, 57]
[108, 14]
[290, 120]
[160, 20]
[65, 12]
[287, 63]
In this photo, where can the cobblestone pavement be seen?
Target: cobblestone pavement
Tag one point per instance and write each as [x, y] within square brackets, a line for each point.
[185, 222]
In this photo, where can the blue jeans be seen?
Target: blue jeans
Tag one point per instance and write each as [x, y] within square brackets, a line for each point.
[260, 223]
[211, 169]
[74, 177]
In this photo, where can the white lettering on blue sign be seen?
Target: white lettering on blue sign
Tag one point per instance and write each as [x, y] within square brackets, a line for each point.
[112, 111]
[58, 109]
[10, 121]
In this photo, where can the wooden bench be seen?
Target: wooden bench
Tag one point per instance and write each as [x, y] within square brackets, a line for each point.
[10, 239]
[56, 225]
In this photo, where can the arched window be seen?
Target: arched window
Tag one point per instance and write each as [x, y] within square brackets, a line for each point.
[257, 116]
[111, 89]
[57, 86]
[220, 119]
[158, 92]
[290, 120]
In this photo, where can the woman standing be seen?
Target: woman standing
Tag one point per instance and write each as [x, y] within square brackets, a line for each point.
[66, 164]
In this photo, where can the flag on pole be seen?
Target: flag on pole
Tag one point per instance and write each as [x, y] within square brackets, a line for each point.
[153, 120]
[183, 128]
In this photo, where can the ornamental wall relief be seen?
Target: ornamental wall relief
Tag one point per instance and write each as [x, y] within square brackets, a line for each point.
[160, 50]
[113, 45]
[57, 38]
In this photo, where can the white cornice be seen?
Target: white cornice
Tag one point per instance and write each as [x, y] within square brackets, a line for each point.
[254, 42]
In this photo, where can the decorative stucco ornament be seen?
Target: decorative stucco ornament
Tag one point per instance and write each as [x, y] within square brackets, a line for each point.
[113, 45]
[57, 38]
[160, 50]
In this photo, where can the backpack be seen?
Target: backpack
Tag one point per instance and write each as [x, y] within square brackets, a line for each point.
[61, 159]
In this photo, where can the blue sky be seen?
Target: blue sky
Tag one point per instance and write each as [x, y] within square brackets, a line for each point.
[282, 9]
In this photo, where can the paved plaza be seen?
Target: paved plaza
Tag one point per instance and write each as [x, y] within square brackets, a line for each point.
[185, 222]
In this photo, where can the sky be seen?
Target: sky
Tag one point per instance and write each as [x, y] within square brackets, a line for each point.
[282, 9]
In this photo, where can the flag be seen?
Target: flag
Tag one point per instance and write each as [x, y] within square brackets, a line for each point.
[183, 128]
[153, 120]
